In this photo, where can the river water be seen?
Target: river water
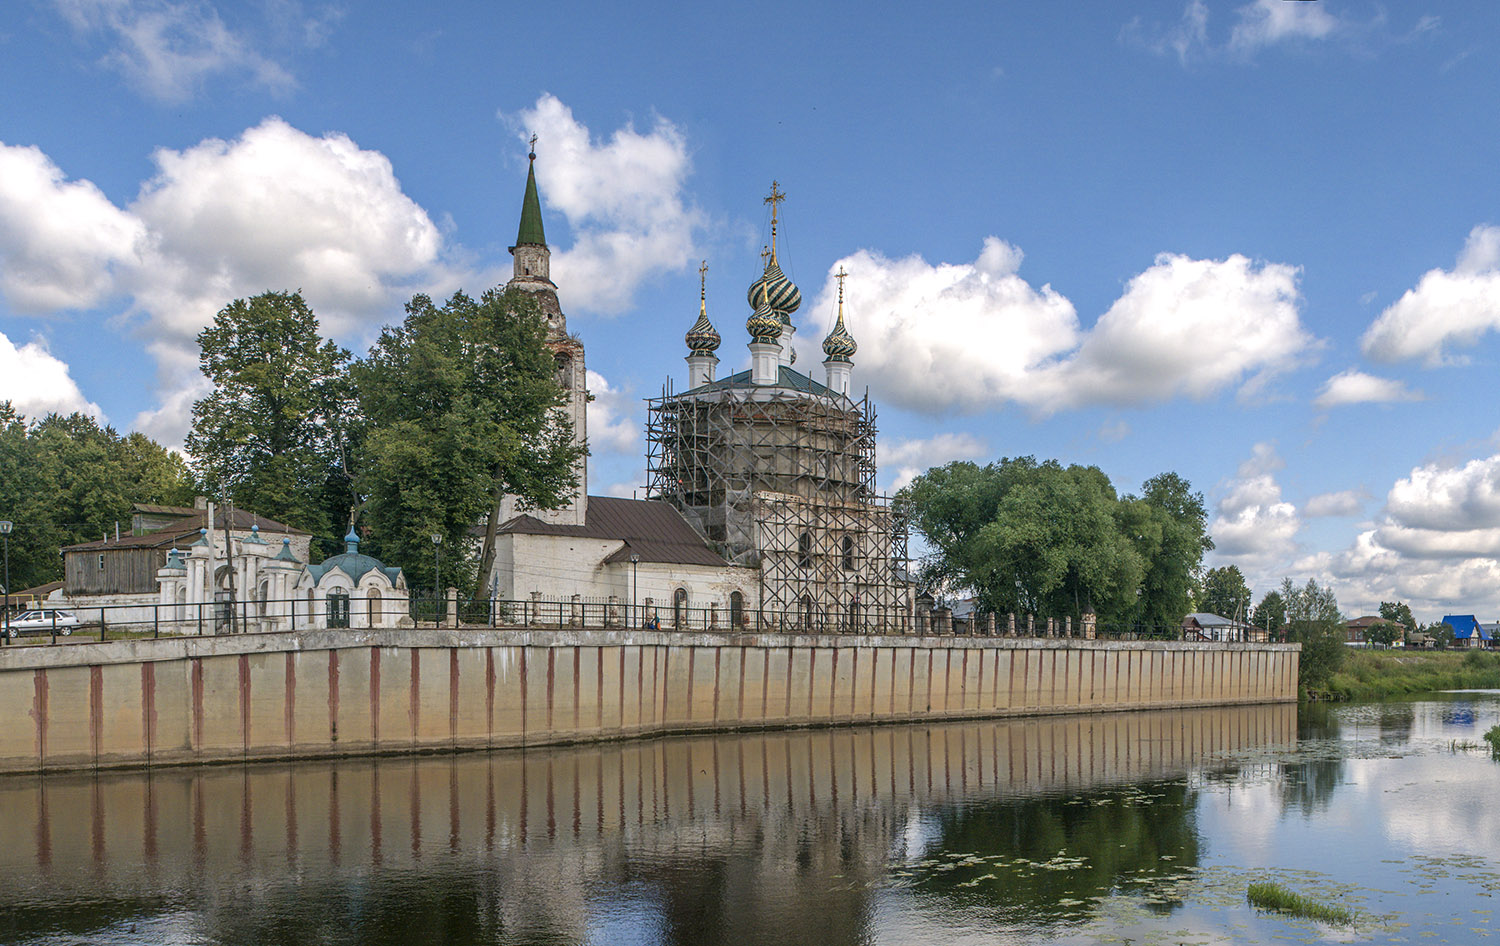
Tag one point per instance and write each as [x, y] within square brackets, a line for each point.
[1124, 828]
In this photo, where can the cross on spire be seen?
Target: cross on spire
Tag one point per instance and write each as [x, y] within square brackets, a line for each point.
[841, 276]
[703, 280]
[532, 155]
[775, 199]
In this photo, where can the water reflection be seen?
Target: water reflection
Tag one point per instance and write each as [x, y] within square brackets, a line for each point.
[771, 837]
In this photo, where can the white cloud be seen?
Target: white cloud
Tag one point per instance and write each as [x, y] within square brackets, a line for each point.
[623, 199]
[934, 337]
[1347, 502]
[1267, 22]
[60, 241]
[911, 458]
[1447, 309]
[612, 424]
[168, 49]
[1253, 526]
[38, 383]
[1355, 387]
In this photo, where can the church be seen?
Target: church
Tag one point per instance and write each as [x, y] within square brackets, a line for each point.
[761, 508]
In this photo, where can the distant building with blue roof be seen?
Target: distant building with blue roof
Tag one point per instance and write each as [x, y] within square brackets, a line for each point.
[1467, 631]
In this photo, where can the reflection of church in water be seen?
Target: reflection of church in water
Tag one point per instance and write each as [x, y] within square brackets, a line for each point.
[761, 485]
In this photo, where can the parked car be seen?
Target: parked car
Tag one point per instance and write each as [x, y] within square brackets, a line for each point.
[43, 622]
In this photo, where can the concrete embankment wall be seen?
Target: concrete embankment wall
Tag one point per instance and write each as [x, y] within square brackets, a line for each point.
[330, 693]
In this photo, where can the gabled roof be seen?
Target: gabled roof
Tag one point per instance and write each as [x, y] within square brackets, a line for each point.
[1204, 619]
[1367, 621]
[186, 529]
[653, 530]
[786, 378]
[1465, 626]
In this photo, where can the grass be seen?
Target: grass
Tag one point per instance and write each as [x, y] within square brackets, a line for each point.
[1272, 896]
[1493, 738]
[1381, 674]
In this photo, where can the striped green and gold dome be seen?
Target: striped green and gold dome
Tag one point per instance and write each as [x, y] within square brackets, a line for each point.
[764, 325]
[701, 338]
[776, 289]
[839, 345]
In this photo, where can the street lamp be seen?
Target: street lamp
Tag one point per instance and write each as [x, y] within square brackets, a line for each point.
[634, 561]
[5, 525]
[437, 572]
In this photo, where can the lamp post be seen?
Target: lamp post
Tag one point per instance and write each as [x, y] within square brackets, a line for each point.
[634, 561]
[437, 579]
[5, 525]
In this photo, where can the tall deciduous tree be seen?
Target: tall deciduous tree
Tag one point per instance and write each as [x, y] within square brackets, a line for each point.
[1042, 538]
[1399, 612]
[268, 435]
[459, 404]
[1225, 593]
[1270, 614]
[1314, 621]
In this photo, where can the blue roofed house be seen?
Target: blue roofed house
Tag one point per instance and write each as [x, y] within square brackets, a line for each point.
[1467, 631]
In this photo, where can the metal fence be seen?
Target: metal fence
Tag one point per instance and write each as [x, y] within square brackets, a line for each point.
[117, 622]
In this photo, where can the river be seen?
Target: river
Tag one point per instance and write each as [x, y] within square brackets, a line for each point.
[1125, 828]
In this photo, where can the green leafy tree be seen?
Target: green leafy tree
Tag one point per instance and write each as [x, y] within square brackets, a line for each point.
[1270, 615]
[1385, 633]
[269, 434]
[1169, 525]
[1225, 593]
[458, 406]
[1314, 621]
[1442, 635]
[1400, 613]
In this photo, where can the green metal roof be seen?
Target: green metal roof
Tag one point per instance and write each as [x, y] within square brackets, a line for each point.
[530, 232]
[787, 378]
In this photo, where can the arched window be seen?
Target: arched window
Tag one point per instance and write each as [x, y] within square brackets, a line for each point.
[848, 553]
[338, 609]
[807, 612]
[679, 608]
[564, 371]
[804, 550]
[736, 610]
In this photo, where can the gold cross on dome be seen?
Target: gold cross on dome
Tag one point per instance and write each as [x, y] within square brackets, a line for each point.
[777, 196]
[841, 276]
[703, 278]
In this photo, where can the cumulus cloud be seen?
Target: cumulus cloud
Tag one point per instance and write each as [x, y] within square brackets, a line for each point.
[1347, 502]
[169, 48]
[1253, 526]
[908, 459]
[60, 241]
[969, 335]
[1355, 387]
[1257, 25]
[1447, 309]
[623, 198]
[38, 383]
[613, 426]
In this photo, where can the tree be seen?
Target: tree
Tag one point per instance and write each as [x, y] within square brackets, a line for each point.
[1170, 528]
[1225, 593]
[458, 406]
[1270, 614]
[1385, 633]
[270, 432]
[1314, 621]
[1442, 635]
[1398, 612]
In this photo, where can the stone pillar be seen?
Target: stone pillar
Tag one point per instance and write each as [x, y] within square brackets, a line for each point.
[1068, 626]
[989, 624]
[1052, 627]
[575, 616]
[942, 621]
[650, 611]
[713, 615]
[612, 612]
[1010, 625]
[922, 619]
[536, 608]
[1091, 625]
[1031, 625]
[452, 607]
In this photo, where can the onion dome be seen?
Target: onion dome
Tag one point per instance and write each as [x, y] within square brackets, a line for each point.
[775, 288]
[840, 345]
[764, 325]
[701, 338]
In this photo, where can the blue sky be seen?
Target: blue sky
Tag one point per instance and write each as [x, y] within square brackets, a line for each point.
[1251, 241]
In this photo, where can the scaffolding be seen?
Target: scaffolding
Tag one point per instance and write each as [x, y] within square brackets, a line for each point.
[782, 478]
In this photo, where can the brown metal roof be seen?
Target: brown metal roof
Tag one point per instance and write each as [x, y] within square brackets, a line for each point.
[650, 528]
[185, 530]
[152, 510]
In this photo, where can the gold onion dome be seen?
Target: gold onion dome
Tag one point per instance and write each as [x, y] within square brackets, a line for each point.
[840, 345]
[701, 338]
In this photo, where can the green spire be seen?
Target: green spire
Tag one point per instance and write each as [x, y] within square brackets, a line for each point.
[531, 212]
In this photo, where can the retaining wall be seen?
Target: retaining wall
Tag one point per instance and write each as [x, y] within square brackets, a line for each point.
[331, 693]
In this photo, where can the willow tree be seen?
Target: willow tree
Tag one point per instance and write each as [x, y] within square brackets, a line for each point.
[458, 405]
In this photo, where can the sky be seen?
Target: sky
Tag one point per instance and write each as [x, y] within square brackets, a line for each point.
[1255, 243]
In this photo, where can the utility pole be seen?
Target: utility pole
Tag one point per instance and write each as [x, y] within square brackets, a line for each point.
[5, 526]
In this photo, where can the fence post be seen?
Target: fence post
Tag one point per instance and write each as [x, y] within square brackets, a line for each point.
[1068, 626]
[101, 625]
[575, 615]
[156, 621]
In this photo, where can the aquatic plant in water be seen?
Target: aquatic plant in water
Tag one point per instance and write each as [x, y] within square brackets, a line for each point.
[1493, 738]
[1273, 896]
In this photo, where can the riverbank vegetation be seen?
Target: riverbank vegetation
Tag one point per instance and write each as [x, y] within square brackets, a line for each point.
[1382, 674]
[1272, 896]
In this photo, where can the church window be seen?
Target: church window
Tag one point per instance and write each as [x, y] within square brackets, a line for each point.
[804, 550]
[564, 371]
[736, 610]
[848, 553]
[338, 609]
[372, 604]
[679, 607]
